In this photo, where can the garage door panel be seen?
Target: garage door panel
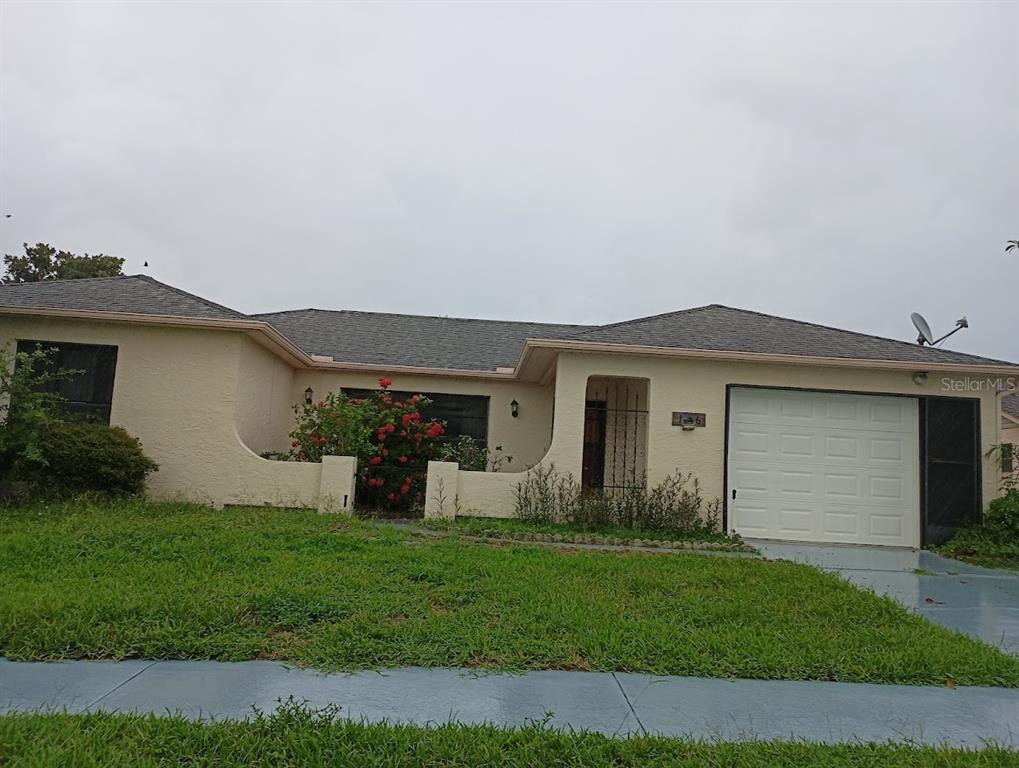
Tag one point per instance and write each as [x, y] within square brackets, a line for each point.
[886, 450]
[757, 519]
[796, 445]
[886, 526]
[841, 523]
[817, 466]
[842, 487]
[792, 483]
[797, 521]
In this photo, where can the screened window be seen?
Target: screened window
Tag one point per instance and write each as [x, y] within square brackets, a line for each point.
[463, 414]
[89, 393]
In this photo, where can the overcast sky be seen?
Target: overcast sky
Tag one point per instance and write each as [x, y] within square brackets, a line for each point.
[839, 163]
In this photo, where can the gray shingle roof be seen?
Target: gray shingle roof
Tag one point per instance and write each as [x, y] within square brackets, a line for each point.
[413, 340]
[481, 345]
[138, 294]
[720, 328]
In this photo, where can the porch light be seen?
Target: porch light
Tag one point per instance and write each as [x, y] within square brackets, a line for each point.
[514, 409]
[309, 394]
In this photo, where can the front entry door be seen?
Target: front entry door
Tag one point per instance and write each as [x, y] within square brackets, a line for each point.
[593, 467]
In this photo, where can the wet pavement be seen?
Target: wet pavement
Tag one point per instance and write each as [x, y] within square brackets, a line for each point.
[611, 703]
[980, 602]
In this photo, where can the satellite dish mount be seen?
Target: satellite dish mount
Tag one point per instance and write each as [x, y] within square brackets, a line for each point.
[926, 337]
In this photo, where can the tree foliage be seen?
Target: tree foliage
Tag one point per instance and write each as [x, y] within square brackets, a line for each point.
[44, 262]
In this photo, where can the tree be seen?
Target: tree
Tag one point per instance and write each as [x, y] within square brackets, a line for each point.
[44, 262]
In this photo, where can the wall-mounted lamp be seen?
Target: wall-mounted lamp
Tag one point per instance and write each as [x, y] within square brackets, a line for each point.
[920, 378]
[514, 409]
[309, 393]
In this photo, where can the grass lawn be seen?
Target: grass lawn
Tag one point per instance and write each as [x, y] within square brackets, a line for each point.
[507, 526]
[168, 581]
[982, 547]
[296, 737]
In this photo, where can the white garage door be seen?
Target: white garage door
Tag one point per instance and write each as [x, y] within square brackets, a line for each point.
[820, 466]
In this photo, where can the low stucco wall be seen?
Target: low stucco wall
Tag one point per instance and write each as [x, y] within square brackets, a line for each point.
[699, 386]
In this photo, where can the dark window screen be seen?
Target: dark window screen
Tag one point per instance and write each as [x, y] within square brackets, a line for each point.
[89, 393]
[951, 465]
[463, 414]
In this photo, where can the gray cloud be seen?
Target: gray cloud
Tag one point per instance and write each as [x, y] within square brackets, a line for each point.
[839, 163]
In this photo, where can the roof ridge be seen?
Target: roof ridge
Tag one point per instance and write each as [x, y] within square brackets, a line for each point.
[647, 318]
[429, 317]
[182, 292]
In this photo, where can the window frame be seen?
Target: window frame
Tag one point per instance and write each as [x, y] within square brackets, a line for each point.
[93, 409]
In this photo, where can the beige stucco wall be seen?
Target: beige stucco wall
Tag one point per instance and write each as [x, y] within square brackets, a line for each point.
[699, 386]
[180, 392]
[262, 408]
[525, 438]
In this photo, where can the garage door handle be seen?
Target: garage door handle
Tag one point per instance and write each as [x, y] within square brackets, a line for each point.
[734, 494]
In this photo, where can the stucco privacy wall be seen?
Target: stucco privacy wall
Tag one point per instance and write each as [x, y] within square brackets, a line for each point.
[525, 438]
[699, 386]
[178, 390]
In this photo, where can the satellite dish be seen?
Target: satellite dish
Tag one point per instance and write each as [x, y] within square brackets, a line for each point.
[925, 337]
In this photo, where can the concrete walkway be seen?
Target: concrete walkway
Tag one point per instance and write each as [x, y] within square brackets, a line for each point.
[980, 602]
[613, 704]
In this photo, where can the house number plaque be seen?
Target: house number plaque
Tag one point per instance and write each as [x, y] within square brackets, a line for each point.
[688, 420]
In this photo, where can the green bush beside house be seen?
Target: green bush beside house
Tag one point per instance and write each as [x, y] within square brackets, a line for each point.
[44, 451]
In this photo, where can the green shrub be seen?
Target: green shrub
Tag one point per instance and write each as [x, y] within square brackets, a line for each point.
[473, 456]
[547, 496]
[1003, 515]
[80, 456]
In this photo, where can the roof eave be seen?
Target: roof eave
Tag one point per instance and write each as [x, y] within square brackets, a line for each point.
[762, 357]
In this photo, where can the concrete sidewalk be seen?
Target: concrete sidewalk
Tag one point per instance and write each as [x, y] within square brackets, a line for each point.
[610, 703]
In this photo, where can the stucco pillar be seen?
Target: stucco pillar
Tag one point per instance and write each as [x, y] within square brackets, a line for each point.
[567, 447]
[441, 491]
[336, 488]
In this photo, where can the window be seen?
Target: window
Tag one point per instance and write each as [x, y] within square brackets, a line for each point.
[463, 414]
[90, 393]
[1008, 458]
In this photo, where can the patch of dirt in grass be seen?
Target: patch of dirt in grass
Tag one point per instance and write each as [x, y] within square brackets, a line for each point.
[576, 664]
[283, 643]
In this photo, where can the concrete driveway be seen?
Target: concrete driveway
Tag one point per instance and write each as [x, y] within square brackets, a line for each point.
[980, 602]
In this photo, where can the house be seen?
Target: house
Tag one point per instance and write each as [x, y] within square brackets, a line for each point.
[805, 432]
